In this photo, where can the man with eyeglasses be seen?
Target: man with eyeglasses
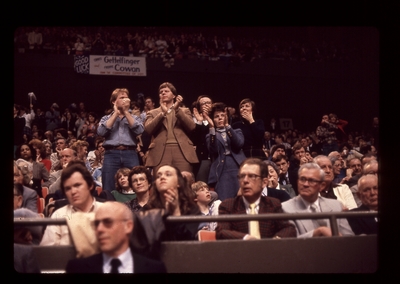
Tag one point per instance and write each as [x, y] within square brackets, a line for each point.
[77, 184]
[114, 224]
[310, 183]
[253, 177]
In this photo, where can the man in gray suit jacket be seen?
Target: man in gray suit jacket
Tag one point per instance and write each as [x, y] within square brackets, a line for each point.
[310, 183]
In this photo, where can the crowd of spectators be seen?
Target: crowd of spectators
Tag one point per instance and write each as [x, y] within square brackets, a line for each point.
[295, 163]
[174, 44]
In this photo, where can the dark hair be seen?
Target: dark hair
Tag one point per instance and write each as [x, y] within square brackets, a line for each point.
[73, 167]
[344, 145]
[186, 195]
[197, 103]
[18, 189]
[273, 165]
[149, 98]
[276, 147]
[98, 140]
[255, 161]
[18, 151]
[139, 170]
[280, 157]
[92, 113]
[218, 106]
[121, 171]
[297, 147]
[365, 148]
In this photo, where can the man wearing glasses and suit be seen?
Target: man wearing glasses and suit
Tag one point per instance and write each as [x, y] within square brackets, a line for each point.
[253, 177]
[113, 225]
[310, 183]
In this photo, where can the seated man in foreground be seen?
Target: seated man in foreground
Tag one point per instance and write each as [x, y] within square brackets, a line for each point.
[114, 224]
[310, 183]
[368, 194]
[77, 184]
[253, 177]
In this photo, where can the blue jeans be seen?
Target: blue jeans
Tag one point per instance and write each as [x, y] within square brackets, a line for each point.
[113, 161]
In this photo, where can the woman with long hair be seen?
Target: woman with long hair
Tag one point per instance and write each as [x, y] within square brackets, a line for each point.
[173, 194]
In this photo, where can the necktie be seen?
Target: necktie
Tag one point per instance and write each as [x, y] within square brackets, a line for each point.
[254, 227]
[115, 263]
[317, 222]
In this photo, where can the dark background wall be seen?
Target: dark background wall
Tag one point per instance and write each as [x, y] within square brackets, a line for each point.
[302, 91]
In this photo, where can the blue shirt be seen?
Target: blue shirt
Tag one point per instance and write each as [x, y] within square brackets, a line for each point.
[120, 133]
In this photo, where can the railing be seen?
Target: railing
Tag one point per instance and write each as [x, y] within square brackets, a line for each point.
[332, 216]
[352, 254]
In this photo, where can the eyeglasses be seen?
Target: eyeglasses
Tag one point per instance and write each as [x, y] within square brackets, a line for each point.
[107, 222]
[250, 176]
[311, 181]
[139, 179]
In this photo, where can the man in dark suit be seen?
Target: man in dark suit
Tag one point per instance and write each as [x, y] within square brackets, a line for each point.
[368, 194]
[253, 177]
[268, 140]
[113, 225]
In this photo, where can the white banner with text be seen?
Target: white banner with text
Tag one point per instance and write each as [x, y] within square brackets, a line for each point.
[110, 65]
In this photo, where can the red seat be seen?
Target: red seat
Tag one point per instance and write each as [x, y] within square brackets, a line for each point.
[45, 191]
[205, 235]
[99, 190]
[40, 204]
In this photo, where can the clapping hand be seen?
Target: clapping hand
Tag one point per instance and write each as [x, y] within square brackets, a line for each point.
[178, 101]
[172, 202]
[197, 115]
[210, 121]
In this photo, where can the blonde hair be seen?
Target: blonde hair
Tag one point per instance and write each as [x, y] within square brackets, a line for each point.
[115, 93]
[198, 185]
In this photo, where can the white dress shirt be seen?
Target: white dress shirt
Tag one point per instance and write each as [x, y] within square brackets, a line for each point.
[126, 259]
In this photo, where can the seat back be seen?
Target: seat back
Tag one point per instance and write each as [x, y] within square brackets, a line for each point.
[40, 204]
[45, 191]
[205, 235]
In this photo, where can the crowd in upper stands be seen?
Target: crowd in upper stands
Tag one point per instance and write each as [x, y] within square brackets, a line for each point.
[175, 44]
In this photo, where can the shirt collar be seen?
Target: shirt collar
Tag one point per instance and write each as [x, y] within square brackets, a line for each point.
[125, 258]
[308, 204]
[247, 204]
[74, 209]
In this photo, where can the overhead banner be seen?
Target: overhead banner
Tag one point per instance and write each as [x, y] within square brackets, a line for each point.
[110, 65]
